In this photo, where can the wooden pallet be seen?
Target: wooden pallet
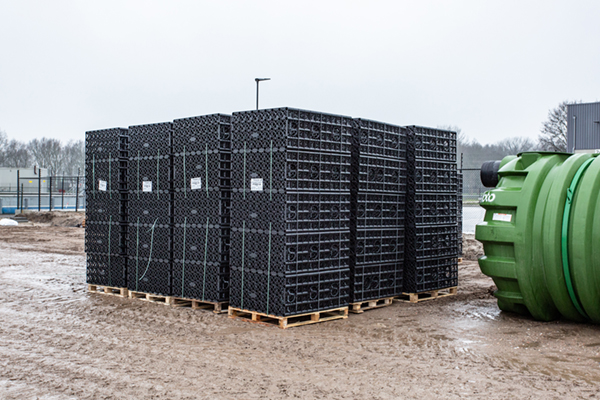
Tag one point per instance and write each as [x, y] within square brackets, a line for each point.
[291, 321]
[152, 298]
[109, 290]
[194, 304]
[429, 295]
[363, 306]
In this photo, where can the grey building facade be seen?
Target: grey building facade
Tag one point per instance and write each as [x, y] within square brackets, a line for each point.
[583, 127]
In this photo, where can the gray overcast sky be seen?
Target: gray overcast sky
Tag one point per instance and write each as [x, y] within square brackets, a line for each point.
[492, 68]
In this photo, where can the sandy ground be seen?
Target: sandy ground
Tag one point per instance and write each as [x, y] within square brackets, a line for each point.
[59, 342]
[55, 218]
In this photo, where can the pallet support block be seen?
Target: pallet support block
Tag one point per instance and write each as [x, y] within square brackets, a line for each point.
[290, 321]
[151, 298]
[195, 304]
[362, 306]
[429, 295]
[109, 290]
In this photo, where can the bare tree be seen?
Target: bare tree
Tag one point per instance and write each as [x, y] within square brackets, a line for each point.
[74, 157]
[47, 153]
[3, 144]
[17, 155]
[553, 135]
[516, 145]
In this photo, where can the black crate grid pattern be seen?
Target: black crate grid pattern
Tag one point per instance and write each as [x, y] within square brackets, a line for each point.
[293, 129]
[459, 212]
[434, 211]
[106, 208]
[290, 210]
[150, 228]
[377, 210]
[201, 207]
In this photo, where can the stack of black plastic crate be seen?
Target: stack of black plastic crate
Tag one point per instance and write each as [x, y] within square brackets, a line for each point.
[290, 211]
[459, 212]
[432, 218]
[201, 202]
[377, 205]
[106, 207]
[149, 211]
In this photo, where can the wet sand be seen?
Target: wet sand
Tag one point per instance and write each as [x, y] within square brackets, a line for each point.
[59, 342]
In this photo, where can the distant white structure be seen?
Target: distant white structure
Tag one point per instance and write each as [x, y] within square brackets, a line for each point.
[8, 178]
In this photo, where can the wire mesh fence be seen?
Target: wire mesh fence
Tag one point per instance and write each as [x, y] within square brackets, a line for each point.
[46, 193]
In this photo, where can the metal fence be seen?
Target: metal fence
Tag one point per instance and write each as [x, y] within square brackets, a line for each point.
[45, 193]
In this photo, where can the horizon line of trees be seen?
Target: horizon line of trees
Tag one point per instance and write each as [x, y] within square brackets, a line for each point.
[60, 158]
[552, 137]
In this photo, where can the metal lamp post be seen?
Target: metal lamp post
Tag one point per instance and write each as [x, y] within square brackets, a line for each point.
[257, 82]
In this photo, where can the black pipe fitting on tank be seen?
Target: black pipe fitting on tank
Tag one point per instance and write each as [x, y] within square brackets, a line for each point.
[489, 173]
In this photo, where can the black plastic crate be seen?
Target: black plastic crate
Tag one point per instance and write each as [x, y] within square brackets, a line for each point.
[200, 173]
[201, 208]
[435, 176]
[285, 295]
[150, 139]
[148, 210]
[378, 210]
[150, 238]
[205, 281]
[149, 275]
[106, 269]
[431, 144]
[104, 236]
[149, 176]
[376, 281]
[379, 139]
[432, 273]
[376, 246]
[379, 174]
[459, 208]
[292, 129]
[436, 209]
[436, 241]
[295, 212]
[103, 150]
[200, 239]
[270, 172]
[281, 252]
[213, 130]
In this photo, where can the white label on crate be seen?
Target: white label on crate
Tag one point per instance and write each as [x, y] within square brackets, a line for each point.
[256, 185]
[502, 217]
[102, 186]
[196, 183]
[146, 186]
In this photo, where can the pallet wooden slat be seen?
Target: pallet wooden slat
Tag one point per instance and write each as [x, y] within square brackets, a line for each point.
[362, 306]
[429, 295]
[195, 304]
[290, 321]
[109, 290]
[149, 297]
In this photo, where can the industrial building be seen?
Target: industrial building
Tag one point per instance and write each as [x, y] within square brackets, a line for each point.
[583, 128]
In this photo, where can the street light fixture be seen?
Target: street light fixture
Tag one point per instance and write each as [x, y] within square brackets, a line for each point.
[257, 81]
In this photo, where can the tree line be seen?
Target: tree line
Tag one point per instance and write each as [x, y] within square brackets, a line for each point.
[552, 137]
[59, 158]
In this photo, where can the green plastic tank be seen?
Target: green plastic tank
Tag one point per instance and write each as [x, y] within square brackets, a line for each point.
[541, 234]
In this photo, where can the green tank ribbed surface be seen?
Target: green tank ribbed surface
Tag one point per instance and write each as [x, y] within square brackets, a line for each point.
[522, 236]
